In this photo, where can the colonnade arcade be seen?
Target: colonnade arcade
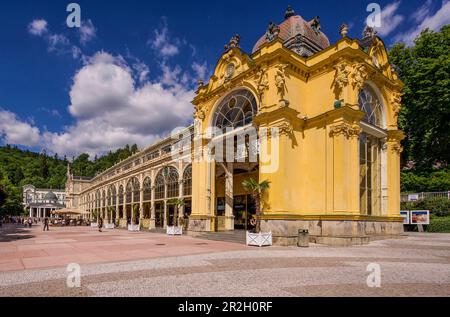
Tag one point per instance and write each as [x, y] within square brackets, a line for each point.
[143, 199]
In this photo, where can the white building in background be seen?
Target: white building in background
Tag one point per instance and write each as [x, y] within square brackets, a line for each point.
[41, 203]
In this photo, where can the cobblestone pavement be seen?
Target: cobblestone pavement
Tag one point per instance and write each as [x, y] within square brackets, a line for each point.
[119, 263]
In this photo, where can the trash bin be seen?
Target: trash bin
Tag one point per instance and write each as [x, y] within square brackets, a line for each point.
[303, 238]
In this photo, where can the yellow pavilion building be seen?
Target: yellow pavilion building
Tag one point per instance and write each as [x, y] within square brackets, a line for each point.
[328, 143]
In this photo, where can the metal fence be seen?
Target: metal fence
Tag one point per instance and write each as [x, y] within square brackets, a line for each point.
[423, 196]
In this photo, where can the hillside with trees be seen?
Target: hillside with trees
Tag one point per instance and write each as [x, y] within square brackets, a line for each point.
[19, 168]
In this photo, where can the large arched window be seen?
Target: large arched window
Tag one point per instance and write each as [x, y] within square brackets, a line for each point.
[187, 181]
[136, 189]
[370, 153]
[147, 189]
[113, 195]
[121, 195]
[371, 105]
[160, 186]
[129, 193]
[173, 189]
[237, 110]
[97, 199]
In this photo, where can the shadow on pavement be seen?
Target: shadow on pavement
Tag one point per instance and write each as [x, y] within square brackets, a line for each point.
[10, 233]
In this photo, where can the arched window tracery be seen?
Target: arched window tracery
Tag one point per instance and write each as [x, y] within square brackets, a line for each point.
[237, 110]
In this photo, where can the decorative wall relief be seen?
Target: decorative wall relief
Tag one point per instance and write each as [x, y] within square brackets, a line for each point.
[262, 83]
[341, 79]
[396, 103]
[359, 76]
[199, 113]
[280, 82]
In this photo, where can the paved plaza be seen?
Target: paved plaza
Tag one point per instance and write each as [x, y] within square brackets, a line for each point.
[120, 263]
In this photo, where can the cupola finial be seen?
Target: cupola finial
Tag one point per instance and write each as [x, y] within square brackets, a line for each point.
[289, 12]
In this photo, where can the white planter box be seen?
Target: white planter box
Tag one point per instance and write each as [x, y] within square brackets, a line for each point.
[94, 225]
[109, 226]
[134, 228]
[259, 239]
[175, 231]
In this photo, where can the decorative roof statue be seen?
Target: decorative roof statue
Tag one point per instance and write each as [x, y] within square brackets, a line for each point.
[289, 13]
[200, 83]
[343, 30]
[272, 32]
[369, 32]
[234, 42]
[316, 25]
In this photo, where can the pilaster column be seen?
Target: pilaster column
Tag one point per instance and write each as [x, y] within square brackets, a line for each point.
[124, 213]
[394, 150]
[117, 204]
[166, 218]
[344, 136]
[229, 197]
[152, 202]
[141, 204]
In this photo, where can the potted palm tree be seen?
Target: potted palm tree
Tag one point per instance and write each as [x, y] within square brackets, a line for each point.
[95, 218]
[133, 226]
[257, 238]
[176, 229]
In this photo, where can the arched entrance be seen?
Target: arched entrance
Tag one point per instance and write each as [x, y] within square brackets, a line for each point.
[234, 207]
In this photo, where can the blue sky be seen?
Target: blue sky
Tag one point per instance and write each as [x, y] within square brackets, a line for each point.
[128, 74]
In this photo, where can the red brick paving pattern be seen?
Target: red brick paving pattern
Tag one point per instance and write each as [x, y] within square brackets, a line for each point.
[119, 263]
[35, 249]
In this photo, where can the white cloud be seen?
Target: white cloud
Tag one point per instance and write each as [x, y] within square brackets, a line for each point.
[162, 43]
[433, 22]
[142, 71]
[38, 27]
[60, 43]
[15, 131]
[390, 20]
[201, 70]
[111, 111]
[423, 11]
[87, 32]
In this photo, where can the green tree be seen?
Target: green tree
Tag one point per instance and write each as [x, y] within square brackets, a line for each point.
[425, 117]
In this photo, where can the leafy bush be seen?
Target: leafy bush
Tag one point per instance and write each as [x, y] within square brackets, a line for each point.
[439, 207]
[439, 225]
[425, 181]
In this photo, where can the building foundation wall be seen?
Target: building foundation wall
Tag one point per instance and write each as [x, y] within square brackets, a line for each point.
[332, 232]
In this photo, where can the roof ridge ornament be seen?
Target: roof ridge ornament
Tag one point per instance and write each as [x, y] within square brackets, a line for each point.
[272, 32]
[234, 42]
[315, 25]
[289, 12]
[343, 30]
[369, 32]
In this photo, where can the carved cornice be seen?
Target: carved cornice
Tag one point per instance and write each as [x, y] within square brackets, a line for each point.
[346, 129]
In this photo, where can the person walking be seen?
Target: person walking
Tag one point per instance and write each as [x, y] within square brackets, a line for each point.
[30, 222]
[100, 224]
[46, 224]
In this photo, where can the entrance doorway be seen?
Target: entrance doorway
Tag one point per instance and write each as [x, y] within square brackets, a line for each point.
[244, 211]
[159, 214]
[171, 216]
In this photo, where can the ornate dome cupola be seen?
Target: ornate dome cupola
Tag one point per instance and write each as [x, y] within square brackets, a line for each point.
[51, 197]
[302, 37]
